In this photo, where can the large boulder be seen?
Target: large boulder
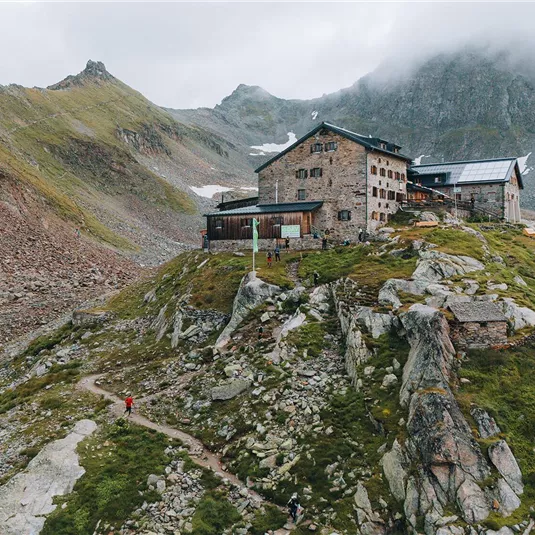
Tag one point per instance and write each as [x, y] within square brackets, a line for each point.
[520, 317]
[503, 459]
[375, 323]
[388, 294]
[27, 497]
[435, 266]
[251, 293]
[230, 390]
[395, 466]
[486, 425]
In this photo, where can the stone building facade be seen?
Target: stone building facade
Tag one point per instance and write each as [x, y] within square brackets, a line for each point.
[478, 325]
[490, 185]
[361, 181]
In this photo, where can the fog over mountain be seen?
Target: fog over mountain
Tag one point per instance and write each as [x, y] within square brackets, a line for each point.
[190, 55]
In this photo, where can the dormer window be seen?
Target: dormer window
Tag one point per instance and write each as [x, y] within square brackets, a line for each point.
[383, 145]
[437, 180]
[316, 147]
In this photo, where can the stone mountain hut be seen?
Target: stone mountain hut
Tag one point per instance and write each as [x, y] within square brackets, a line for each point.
[478, 324]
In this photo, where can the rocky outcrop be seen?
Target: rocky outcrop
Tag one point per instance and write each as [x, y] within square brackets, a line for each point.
[519, 317]
[27, 498]
[251, 293]
[486, 425]
[435, 266]
[432, 356]
[440, 441]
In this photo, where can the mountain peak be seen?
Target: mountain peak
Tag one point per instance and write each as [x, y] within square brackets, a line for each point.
[95, 71]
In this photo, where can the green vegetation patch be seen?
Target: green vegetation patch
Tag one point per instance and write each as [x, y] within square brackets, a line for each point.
[117, 463]
[214, 515]
[503, 383]
[359, 263]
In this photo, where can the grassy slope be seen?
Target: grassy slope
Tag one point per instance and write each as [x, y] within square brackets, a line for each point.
[43, 126]
[501, 382]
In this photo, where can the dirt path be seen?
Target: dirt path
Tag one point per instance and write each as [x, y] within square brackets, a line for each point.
[199, 453]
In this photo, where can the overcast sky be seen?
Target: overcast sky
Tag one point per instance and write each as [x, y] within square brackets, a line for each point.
[189, 55]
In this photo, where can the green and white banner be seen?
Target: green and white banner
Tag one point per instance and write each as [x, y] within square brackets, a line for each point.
[255, 236]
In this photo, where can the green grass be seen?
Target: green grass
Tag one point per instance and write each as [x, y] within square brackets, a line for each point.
[117, 463]
[214, 515]
[271, 519]
[357, 263]
[503, 383]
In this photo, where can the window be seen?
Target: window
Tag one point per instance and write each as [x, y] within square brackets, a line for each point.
[373, 170]
[301, 173]
[316, 147]
[391, 195]
[381, 216]
[375, 216]
[316, 172]
[247, 222]
[402, 176]
[396, 150]
[301, 195]
[382, 171]
[437, 180]
[330, 146]
[374, 191]
[397, 175]
[331, 160]
[382, 193]
[387, 205]
[218, 223]
[330, 182]
[390, 173]
[344, 215]
[383, 145]
[277, 221]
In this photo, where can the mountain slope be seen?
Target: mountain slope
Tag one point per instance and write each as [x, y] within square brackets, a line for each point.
[92, 154]
[454, 106]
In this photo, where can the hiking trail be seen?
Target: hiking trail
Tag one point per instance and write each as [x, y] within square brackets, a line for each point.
[200, 455]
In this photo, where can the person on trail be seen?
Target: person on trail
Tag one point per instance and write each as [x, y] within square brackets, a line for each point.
[316, 278]
[269, 258]
[287, 244]
[277, 253]
[129, 402]
[361, 235]
[260, 332]
[293, 506]
[324, 243]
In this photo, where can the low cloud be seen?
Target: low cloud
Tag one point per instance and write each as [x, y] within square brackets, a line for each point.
[190, 55]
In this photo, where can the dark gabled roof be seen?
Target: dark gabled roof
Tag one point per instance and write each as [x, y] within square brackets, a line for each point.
[471, 171]
[271, 208]
[370, 143]
[477, 311]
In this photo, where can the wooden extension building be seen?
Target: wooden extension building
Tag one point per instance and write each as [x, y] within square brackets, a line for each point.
[277, 221]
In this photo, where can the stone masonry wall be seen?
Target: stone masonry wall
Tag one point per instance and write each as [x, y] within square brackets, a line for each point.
[379, 209]
[264, 245]
[342, 185]
[474, 334]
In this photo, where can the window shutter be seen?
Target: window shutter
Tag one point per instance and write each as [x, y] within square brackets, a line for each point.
[321, 171]
[339, 216]
[306, 173]
[349, 216]
[297, 174]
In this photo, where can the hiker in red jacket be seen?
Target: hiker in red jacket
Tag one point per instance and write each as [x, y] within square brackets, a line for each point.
[129, 401]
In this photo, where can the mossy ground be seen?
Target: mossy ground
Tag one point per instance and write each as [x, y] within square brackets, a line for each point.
[503, 383]
[117, 461]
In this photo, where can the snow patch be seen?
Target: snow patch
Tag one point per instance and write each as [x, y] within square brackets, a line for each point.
[523, 164]
[314, 115]
[274, 147]
[418, 161]
[210, 190]
[261, 153]
[252, 188]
